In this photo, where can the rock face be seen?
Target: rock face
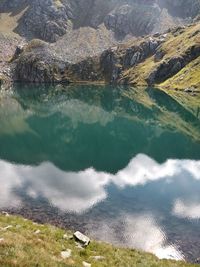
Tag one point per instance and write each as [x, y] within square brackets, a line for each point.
[36, 64]
[146, 61]
[155, 59]
[95, 40]
[134, 18]
[51, 19]
[43, 19]
[182, 8]
[115, 60]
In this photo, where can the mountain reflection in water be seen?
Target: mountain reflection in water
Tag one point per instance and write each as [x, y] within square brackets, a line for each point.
[118, 163]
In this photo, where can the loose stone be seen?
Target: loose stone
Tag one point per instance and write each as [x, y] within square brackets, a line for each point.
[86, 264]
[7, 227]
[83, 239]
[66, 254]
[98, 258]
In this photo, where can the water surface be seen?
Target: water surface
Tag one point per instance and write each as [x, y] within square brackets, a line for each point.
[120, 164]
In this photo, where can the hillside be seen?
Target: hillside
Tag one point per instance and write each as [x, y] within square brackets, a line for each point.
[151, 60]
[45, 245]
[114, 41]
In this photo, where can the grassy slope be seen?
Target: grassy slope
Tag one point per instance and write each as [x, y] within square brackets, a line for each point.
[175, 45]
[187, 77]
[21, 246]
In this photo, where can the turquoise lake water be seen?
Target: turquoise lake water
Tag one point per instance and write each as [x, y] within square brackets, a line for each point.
[120, 164]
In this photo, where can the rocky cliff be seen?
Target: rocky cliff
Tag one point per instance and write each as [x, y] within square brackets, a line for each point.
[50, 19]
[113, 41]
[151, 60]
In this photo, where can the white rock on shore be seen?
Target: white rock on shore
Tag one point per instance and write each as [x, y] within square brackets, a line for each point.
[66, 254]
[81, 238]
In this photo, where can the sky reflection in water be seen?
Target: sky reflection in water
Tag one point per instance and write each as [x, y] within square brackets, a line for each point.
[114, 166]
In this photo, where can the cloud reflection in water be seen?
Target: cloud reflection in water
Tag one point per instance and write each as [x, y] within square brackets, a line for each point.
[139, 231]
[186, 210]
[77, 192]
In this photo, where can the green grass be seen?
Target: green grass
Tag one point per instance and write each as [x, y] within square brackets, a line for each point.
[21, 245]
[189, 76]
[174, 45]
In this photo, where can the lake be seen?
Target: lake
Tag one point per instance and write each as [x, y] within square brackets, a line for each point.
[119, 164]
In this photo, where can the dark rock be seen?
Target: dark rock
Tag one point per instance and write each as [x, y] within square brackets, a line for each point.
[157, 34]
[158, 55]
[19, 49]
[114, 61]
[39, 66]
[197, 261]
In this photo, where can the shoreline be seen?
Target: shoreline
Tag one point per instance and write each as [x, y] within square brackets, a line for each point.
[53, 242]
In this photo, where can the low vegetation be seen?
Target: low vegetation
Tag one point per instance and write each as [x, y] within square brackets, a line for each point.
[188, 77]
[25, 243]
[177, 44]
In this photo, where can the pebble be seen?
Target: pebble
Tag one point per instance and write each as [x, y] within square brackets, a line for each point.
[98, 258]
[37, 232]
[86, 264]
[66, 236]
[7, 227]
[66, 254]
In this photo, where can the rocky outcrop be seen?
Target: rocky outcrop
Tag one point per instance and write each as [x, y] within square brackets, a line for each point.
[153, 60]
[134, 18]
[173, 65]
[37, 64]
[118, 59]
[147, 61]
[49, 20]
[181, 8]
[43, 19]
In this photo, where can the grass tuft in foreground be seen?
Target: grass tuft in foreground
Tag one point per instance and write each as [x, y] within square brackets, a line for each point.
[25, 243]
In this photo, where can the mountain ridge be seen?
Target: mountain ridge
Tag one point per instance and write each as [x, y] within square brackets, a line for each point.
[90, 49]
[49, 20]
